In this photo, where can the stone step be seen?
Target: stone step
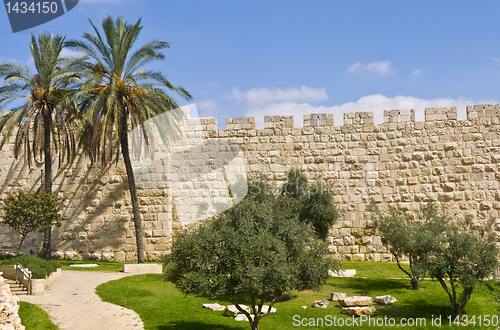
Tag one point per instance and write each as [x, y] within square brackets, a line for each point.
[16, 288]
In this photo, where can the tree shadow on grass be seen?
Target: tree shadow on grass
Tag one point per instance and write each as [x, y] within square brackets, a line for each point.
[366, 286]
[183, 325]
[420, 308]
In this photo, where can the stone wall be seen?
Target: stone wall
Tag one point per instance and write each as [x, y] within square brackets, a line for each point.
[9, 308]
[399, 161]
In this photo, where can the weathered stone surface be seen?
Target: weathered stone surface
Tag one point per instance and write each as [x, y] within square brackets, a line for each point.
[9, 308]
[231, 310]
[323, 303]
[342, 273]
[214, 307]
[399, 162]
[385, 300]
[358, 311]
[355, 301]
[243, 317]
[337, 295]
[265, 308]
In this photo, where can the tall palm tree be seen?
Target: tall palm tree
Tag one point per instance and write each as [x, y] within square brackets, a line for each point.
[118, 95]
[41, 106]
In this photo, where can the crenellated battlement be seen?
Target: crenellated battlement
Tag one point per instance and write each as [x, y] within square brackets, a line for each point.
[399, 116]
[367, 117]
[358, 118]
[483, 110]
[278, 122]
[440, 114]
[318, 120]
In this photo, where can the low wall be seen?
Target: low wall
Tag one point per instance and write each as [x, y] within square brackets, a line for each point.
[38, 286]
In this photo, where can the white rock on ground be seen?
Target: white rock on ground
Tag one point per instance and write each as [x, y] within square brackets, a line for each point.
[242, 317]
[337, 295]
[9, 308]
[355, 301]
[231, 310]
[342, 273]
[214, 307]
[323, 303]
[265, 308]
[385, 300]
[358, 311]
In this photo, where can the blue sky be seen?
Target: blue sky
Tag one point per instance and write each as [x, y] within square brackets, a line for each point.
[256, 58]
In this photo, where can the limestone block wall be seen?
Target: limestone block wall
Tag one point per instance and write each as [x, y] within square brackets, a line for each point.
[400, 161]
[96, 202]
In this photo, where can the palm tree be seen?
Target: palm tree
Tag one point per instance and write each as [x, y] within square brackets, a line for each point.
[43, 110]
[118, 95]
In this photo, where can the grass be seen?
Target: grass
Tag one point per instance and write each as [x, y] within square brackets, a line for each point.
[34, 318]
[162, 306]
[103, 266]
[375, 269]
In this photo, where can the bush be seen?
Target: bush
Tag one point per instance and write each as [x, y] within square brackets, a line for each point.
[257, 248]
[410, 235]
[27, 212]
[313, 201]
[463, 256]
[40, 268]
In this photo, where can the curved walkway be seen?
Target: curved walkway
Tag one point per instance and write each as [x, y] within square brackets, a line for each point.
[73, 304]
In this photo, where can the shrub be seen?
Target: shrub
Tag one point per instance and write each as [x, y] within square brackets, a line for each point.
[411, 235]
[463, 256]
[27, 212]
[312, 200]
[40, 268]
[256, 248]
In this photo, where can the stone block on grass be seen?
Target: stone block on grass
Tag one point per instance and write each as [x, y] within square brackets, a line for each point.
[358, 311]
[355, 301]
[142, 268]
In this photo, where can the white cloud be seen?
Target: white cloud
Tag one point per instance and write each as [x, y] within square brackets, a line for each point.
[417, 72]
[257, 96]
[207, 105]
[66, 52]
[381, 67]
[376, 103]
[496, 60]
[356, 67]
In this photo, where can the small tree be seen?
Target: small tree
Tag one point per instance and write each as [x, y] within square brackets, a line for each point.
[27, 212]
[313, 202]
[461, 258]
[410, 235]
[256, 249]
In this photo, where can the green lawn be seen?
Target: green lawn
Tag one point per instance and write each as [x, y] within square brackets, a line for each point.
[162, 307]
[34, 318]
[375, 269]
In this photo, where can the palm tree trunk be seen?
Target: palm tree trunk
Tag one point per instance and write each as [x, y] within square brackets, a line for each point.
[133, 191]
[47, 248]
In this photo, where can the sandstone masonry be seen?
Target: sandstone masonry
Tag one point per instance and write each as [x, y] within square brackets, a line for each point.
[399, 161]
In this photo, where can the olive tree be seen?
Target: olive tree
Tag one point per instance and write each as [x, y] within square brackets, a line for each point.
[258, 249]
[463, 256]
[312, 200]
[410, 234]
[27, 212]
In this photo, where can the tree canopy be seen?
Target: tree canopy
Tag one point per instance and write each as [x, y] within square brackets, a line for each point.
[27, 212]
[256, 249]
